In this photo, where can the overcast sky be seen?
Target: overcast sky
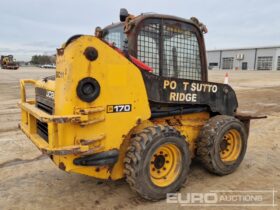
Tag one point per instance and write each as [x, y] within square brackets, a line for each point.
[29, 27]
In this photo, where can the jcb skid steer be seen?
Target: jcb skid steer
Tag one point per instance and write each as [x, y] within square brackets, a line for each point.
[8, 62]
[134, 101]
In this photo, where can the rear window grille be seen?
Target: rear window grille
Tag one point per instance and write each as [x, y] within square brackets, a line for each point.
[181, 58]
[148, 42]
[171, 49]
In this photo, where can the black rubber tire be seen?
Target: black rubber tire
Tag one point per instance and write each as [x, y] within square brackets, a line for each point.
[137, 161]
[208, 144]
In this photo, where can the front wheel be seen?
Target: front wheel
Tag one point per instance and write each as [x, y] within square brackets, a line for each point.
[157, 162]
[222, 144]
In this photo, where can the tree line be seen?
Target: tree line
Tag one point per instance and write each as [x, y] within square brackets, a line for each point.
[42, 59]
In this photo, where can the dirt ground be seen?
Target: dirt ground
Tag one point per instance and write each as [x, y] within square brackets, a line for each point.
[31, 181]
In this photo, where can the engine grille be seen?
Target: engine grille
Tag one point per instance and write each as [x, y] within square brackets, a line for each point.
[45, 107]
[44, 101]
[42, 130]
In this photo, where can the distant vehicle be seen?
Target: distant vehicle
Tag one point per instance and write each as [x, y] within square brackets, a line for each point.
[8, 62]
[48, 66]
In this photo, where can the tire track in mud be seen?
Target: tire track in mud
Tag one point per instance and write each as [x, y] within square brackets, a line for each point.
[18, 161]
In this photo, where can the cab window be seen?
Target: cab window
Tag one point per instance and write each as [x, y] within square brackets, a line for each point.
[115, 36]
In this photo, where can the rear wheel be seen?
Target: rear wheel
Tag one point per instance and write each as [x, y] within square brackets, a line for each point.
[222, 144]
[157, 162]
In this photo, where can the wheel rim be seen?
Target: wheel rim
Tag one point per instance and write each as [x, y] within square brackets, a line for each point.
[230, 147]
[165, 165]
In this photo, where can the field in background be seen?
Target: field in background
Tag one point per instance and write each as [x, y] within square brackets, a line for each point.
[31, 181]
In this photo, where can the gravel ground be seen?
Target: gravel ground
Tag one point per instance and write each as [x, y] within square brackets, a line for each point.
[29, 180]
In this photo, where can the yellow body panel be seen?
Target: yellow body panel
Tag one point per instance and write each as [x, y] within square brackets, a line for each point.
[75, 121]
[121, 83]
[189, 125]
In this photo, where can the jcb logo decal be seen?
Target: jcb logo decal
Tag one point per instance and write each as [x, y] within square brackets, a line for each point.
[119, 108]
[50, 94]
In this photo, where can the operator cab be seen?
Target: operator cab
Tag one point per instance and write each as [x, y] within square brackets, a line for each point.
[170, 53]
[173, 47]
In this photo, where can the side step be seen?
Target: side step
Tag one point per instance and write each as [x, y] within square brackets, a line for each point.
[98, 159]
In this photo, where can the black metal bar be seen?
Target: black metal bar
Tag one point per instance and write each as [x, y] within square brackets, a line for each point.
[98, 159]
[160, 48]
[178, 112]
[175, 61]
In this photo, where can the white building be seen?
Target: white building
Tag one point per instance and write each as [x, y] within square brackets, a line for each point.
[255, 58]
